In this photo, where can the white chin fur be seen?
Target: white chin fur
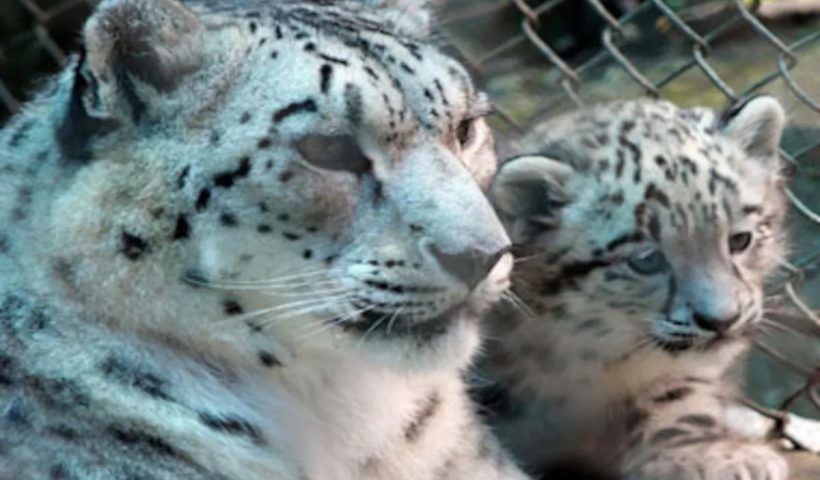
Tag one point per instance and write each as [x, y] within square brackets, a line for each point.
[452, 350]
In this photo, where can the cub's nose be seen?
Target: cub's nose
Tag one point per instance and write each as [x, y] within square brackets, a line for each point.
[469, 266]
[715, 324]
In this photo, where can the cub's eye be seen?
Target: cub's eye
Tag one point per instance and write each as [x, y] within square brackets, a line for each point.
[739, 242]
[647, 262]
[334, 152]
[464, 132]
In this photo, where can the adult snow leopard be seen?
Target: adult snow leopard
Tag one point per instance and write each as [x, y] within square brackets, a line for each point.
[247, 240]
[644, 233]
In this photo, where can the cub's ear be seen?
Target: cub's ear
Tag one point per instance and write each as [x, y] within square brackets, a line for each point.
[528, 193]
[127, 42]
[757, 125]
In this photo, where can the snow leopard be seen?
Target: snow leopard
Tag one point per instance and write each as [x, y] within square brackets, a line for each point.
[248, 240]
[643, 234]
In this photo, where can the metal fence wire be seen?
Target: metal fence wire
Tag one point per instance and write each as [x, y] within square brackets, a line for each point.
[570, 78]
[35, 36]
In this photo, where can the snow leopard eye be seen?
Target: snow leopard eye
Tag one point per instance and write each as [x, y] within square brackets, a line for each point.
[739, 242]
[647, 262]
[464, 132]
[334, 152]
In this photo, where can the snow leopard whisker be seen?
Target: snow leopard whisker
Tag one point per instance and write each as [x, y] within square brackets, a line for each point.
[273, 281]
[541, 255]
[393, 319]
[321, 325]
[487, 338]
[643, 341]
[293, 291]
[270, 286]
[370, 330]
[648, 340]
[518, 260]
[312, 329]
[244, 317]
[767, 324]
[328, 323]
[266, 286]
[283, 311]
[310, 314]
[331, 288]
[281, 280]
[297, 306]
[476, 380]
[518, 304]
[307, 273]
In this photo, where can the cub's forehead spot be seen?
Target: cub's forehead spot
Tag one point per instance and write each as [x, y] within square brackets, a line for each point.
[685, 188]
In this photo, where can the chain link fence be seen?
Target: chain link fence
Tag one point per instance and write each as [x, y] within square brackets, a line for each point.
[711, 53]
[539, 58]
[35, 36]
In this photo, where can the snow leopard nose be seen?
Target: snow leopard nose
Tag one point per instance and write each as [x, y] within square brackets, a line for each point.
[470, 266]
[715, 324]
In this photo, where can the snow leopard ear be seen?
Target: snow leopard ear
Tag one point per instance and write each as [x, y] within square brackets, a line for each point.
[131, 49]
[133, 44]
[415, 17]
[528, 193]
[757, 125]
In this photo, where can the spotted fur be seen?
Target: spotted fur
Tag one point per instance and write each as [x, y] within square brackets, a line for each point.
[644, 234]
[247, 240]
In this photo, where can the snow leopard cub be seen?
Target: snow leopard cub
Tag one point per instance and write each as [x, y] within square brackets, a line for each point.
[644, 233]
